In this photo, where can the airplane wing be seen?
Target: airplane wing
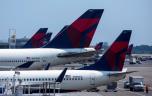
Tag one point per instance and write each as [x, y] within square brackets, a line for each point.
[24, 65]
[77, 54]
[6, 67]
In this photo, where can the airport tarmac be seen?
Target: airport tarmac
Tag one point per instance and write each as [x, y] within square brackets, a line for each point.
[67, 94]
[144, 69]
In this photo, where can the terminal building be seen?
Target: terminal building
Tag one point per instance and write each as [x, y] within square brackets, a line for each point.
[18, 43]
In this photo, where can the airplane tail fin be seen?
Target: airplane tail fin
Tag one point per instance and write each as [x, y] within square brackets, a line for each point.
[114, 57]
[80, 33]
[53, 43]
[34, 41]
[46, 39]
[99, 46]
[129, 51]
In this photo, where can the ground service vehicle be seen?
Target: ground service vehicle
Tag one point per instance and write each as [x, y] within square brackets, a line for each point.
[136, 83]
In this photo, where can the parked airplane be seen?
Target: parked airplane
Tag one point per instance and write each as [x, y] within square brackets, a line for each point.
[39, 39]
[97, 55]
[35, 39]
[99, 46]
[129, 52]
[45, 39]
[108, 69]
[39, 57]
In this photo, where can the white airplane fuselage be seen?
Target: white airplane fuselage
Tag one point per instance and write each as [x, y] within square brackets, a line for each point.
[73, 79]
[11, 58]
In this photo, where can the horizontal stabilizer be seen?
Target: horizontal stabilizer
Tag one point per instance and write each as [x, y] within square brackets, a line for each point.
[76, 54]
[121, 73]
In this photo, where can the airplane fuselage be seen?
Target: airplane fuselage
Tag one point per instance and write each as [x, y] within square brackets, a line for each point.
[73, 79]
[12, 58]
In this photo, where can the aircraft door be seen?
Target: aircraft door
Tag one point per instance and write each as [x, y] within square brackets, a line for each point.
[44, 59]
[44, 62]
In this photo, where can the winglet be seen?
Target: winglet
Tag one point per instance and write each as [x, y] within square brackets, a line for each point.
[25, 65]
[47, 67]
[61, 76]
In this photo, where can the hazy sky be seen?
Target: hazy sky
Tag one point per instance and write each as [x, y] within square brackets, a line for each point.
[27, 16]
